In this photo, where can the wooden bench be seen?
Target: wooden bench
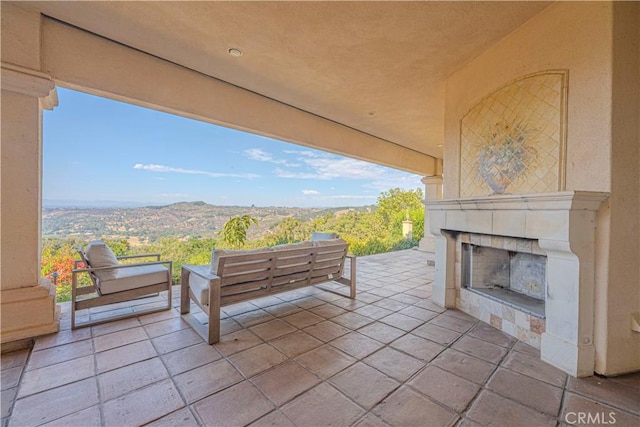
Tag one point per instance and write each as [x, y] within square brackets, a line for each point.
[245, 275]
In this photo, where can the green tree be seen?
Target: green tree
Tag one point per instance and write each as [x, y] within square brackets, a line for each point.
[234, 231]
[396, 201]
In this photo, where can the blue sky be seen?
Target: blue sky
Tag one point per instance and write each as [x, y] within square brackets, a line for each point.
[98, 150]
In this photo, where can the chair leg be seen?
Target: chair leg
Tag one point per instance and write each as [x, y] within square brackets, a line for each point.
[214, 312]
[185, 303]
[74, 296]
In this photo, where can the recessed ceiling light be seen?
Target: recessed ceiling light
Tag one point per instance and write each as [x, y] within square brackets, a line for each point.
[234, 51]
[440, 145]
[371, 113]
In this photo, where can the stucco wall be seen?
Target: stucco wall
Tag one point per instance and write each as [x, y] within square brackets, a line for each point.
[578, 37]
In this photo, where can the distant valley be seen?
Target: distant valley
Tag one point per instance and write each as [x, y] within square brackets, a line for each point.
[141, 225]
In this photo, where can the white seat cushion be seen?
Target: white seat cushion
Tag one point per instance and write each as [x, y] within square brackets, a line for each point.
[100, 255]
[134, 277]
[216, 254]
[316, 236]
[200, 288]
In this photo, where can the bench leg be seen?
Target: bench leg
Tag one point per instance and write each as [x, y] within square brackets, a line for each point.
[352, 269]
[185, 303]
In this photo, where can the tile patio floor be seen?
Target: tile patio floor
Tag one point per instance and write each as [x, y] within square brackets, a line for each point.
[307, 358]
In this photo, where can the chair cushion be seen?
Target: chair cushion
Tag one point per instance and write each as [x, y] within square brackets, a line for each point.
[199, 286]
[100, 255]
[133, 278]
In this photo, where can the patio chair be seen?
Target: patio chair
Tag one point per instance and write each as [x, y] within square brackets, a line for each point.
[113, 282]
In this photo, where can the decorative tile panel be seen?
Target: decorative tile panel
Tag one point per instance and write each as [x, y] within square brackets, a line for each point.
[513, 141]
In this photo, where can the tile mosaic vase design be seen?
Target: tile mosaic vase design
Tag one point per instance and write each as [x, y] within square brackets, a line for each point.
[513, 141]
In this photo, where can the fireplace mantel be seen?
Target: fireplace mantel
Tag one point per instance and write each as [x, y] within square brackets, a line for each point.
[563, 223]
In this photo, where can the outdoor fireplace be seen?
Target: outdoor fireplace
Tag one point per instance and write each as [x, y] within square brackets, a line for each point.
[517, 279]
[552, 237]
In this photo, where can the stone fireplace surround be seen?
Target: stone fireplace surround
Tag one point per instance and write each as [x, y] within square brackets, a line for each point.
[563, 223]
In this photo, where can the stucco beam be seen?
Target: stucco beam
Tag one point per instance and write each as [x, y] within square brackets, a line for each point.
[90, 63]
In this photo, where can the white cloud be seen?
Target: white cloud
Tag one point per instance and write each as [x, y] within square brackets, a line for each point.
[170, 169]
[326, 166]
[310, 192]
[263, 156]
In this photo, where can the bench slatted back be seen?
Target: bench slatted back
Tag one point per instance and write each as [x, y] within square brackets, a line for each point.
[248, 276]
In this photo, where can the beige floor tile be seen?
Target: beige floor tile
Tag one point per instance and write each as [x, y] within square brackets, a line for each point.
[383, 292]
[239, 308]
[351, 320]
[406, 407]
[492, 335]
[402, 321]
[237, 341]
[191, 357]
[272, 329]
[61, 353]
[230, 407]
[115, 326]
[356, 344]
[488, 408]
[266, 301]
[480, 349]
[527, 349]
[420, 348]
[326, 331]
[364, 384]
[606, 415]
[53, 376]
[308, 302]
[132, 377]
[303, 319]
[328, 310]
[436, 333]
[427, 304]
[257, 359]
[390, 304]
[9, 378]
[373, 312]
[367, 298]
[325, 361]
[227, 326]
[7, 398]
[206, 380]
[406, 298]
[418, 313]
[284, 382]
[465, 366]
[118, 339]
[606, 391]
[394, 363]
[322, 405]
[348, 303]
[143, 405]
[177, 340]
[466, 422]
[381, 332]
[161, 315]
[180, 418]
[62, 337]
[535, 368]
[370, 420]
[164, 327]
[296, 343]
[273, 419]
[282, 309]
[632, 380]
[252, 318]
[14, 359]
[56, 403]
[451, 322]
[444, 387]
[125, 355]
[89, 417]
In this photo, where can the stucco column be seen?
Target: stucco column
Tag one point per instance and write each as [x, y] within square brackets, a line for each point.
[28, 301]
[432, 191]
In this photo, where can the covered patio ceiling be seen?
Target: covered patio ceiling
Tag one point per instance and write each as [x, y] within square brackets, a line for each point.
[376, 67]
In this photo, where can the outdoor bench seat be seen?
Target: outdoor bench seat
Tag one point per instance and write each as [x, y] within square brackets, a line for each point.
[236, 276]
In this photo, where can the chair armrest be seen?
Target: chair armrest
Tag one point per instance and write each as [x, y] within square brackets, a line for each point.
[157, 256]
[201, 270]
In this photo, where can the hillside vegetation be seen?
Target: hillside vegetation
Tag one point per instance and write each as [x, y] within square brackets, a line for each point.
[186, 233]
